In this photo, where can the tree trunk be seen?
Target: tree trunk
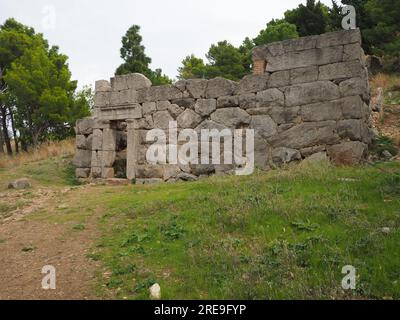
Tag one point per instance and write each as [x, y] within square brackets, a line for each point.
[1, 142]
[5, 130]
[14, 130]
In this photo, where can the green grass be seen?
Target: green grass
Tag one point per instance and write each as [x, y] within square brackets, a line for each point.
[283, 234]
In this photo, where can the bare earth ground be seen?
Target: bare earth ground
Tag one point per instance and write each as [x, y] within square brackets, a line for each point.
[27, 245]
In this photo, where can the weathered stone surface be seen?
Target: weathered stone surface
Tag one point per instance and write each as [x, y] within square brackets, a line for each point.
[96, 158]
[348, 69]
[22, 183]
[171, 171]
[307, 93]
[109, 140]
[352, 107]
[248, 101]
[97, 140]
[133, 81]
[149, 181]
[263, 125]
[81, 142]
[252, 83]
[218, 87]
[259, 111]
[149, 171]
[270, 98]
[231, 117]
[181, 85]
[82, 173]
[350, 128]
[209, 125]
[163, 105]
[261, 152]
[107, 173]
[188, 119]
[306, 58]
[149, 108]
[102, 86]
[339, 38]
[186, 103]
[306, 152]
[205, 107]
[133, 111]
[107, 158]
[197, 88]
[85, 126]
[321, 111]
[306, 135]
[317, 158]
[175, 110]
[284, 115]
[279, 79]
[158, 93]
[123, 97]
[102, 99]
[228, 101]
[304, 75]
[183, 176]
[202, 169]
[347, 153]
[353, 51]
[284, 155]
[355, 86]
[162, 119]
[82, 158]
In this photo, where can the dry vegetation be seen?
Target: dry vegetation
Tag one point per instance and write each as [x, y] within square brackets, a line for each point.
[45, 151]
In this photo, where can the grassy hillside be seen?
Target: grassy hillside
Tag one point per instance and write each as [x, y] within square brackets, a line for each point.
[274, 235]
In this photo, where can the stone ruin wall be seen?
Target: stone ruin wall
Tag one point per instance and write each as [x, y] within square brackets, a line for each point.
[307, 97]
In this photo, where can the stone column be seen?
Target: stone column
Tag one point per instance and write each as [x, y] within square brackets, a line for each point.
[132, 148]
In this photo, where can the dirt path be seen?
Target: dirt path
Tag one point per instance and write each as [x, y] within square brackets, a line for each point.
[27, 245]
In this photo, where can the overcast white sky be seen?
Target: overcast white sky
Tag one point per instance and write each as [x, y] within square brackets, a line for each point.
[90, 31]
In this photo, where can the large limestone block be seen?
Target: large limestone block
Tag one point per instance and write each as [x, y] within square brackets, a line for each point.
[82, 158]
[205, 107]
[131, 111]
[228, 101]
[82, 173]
[347, 153]
[133, 81]
[306, 58]
[248, 101]
[97, 140]
[321, 111]
[279, 79]
[284, 155]
[252, 83]
[306, 134]
[339, 38]
[284, 114]
[304, 75]
[107, 158]
[348, 69]
[162, 119]
[81, 142]
[175, 110]
[163, 105]
[188, 119]
[102, 99]
[220, 87]
[355, 86]
[353, 51]
[149, 171]
[197, 88]
[185, 103]
[350, 128]
[159, 93]
[263, 125]
[270, 98]
[307, 93]
[123, 97]
[109, 140]
[148, 108]
[85, 126]
[352, 107]
[102, 85]
[231, 117]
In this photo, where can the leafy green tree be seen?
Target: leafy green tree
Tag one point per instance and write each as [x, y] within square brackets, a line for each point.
[246, 50]
[310, 19]
[136, 60]
[192, 68]
[225, 60]
[335, 17]
[276, 30]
